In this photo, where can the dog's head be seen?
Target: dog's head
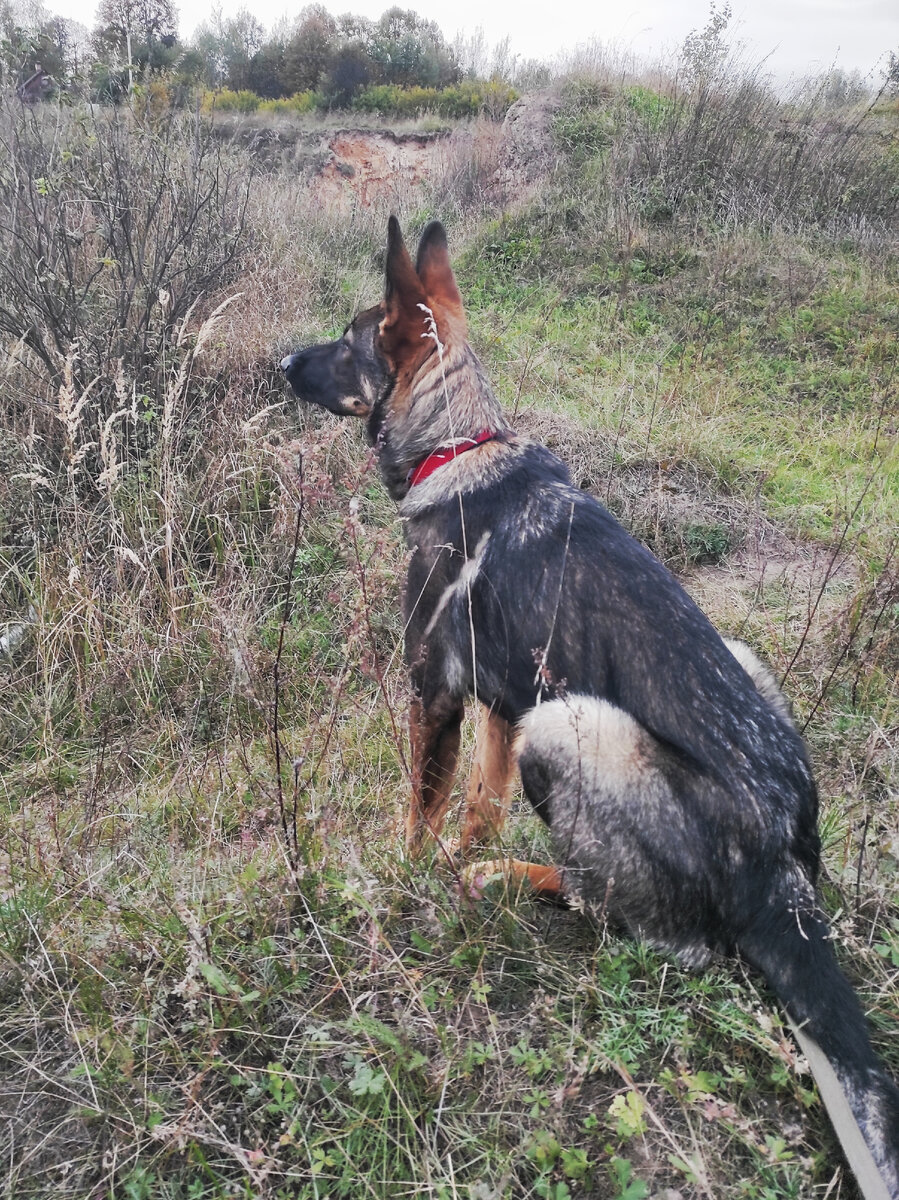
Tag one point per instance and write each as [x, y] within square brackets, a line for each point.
[384, 347]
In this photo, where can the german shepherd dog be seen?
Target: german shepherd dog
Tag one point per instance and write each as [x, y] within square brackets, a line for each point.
[663, 759]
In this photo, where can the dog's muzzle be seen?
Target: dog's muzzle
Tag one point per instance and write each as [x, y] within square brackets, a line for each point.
[292, 366]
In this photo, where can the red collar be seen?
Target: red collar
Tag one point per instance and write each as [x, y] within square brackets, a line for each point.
[445, 454]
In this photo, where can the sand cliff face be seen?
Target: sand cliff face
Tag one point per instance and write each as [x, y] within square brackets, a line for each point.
[366, 167]
[349, 169]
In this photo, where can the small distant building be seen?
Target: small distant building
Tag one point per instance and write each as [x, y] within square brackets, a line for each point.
[35, 88]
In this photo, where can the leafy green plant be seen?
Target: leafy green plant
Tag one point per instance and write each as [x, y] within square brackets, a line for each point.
[707, 543]
[626, 1115]
[628, 1186]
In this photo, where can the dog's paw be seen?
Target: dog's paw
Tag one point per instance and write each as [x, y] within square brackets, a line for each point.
[476, 877]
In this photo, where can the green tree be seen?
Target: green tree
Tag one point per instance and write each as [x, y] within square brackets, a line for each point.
[132, 37]
[310, 53]
[267, 71]
[228, 47]
[143, 21]
[187, 72]
[409, 49]
[351, 71]
[31, 36]
[353, 28]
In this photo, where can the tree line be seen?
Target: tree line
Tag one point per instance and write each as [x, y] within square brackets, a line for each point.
[332, 58]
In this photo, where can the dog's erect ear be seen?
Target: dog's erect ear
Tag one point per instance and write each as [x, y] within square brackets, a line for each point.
[435, 272]
[403, 287]
[403, 325]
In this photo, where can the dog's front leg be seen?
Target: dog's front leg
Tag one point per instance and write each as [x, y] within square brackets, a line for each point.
[434, 735]
[487, 797]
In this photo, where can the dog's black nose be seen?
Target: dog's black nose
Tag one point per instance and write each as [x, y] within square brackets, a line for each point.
[286, 362]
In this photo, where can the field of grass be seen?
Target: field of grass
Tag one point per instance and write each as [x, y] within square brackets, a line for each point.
[220, 976]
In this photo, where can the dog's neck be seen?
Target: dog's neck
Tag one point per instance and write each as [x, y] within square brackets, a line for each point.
[449, 400]
[446, 454]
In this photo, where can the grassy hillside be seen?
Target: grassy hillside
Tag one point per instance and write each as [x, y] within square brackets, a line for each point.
[220, 976]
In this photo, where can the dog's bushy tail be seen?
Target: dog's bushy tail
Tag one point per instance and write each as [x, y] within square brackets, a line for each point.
[790, 945]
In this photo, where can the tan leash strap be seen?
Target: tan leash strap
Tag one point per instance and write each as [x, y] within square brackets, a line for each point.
[859, 1157]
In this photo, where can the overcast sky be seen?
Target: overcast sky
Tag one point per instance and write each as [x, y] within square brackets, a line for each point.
[799, 35]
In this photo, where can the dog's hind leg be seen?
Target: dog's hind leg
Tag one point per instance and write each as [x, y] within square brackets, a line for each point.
[545, 882]
[487, 797]
[434, 736]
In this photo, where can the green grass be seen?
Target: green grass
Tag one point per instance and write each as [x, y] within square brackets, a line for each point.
[376, 1024]
[736, 381]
